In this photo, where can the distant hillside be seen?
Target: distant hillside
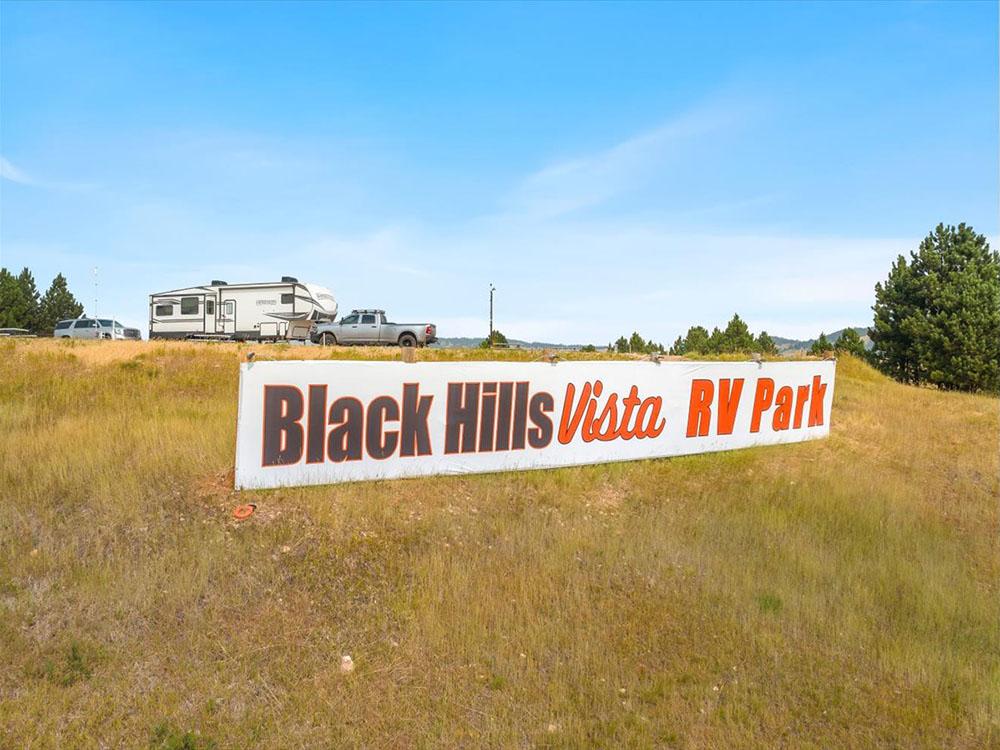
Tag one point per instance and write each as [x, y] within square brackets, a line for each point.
[472, 343]
[791, 346]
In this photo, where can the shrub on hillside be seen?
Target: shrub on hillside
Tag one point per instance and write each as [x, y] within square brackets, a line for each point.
[498, 340]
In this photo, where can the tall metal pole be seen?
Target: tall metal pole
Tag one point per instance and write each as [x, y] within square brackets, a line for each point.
[492, 289]
[95, 291]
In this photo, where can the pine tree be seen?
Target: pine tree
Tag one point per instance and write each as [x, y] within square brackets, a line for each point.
[30, 293]
[937, 317]
[58, 303]
[736, 337]
[15, 306]
[636, 344]
[765, 344]
[821, 346]
[851, 343]
[696, 340]
[715, 343]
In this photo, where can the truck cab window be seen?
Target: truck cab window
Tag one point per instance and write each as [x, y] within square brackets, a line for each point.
[367, 319]
[381, 318]
[349, 320]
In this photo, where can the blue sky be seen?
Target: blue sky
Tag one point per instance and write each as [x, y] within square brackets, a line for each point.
[608, 167]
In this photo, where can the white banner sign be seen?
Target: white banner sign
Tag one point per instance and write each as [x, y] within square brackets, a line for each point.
[310, 422]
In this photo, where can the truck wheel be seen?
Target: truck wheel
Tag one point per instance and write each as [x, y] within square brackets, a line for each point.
[327, 339]
[408, 340]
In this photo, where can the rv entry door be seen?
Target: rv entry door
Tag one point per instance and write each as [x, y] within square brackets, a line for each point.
[210, 326]
[226, 318]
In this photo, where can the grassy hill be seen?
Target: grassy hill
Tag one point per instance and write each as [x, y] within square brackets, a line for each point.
[838, 593]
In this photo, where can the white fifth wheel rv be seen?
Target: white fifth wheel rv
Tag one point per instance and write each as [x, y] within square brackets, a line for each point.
[286, 309]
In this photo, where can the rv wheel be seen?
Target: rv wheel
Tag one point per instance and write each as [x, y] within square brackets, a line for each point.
[327, 339]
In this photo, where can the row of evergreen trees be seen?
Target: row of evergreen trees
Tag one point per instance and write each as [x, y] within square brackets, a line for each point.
[735, 339]
[21, 305]
[635, 344]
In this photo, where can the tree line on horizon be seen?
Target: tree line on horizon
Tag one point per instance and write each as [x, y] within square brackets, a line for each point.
[736, 338]
[936, 322]
[936, 317]
[22, 306]
[635, 344]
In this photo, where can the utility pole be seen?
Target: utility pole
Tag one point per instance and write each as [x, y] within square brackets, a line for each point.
[95, 291]
[492, 289]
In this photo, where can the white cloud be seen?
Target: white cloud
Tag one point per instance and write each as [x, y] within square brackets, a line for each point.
[9, 172]
[585, 282]
[589, 180]
[12, 173]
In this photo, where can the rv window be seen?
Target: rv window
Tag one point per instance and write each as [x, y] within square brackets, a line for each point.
[189, 305]
[164, 309]
[210, 307]
[287, 299]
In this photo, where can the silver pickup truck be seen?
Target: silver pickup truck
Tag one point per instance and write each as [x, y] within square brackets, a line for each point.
[370, 327]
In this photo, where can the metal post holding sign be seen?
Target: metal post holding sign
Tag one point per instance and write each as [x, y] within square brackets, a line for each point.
[320, 422]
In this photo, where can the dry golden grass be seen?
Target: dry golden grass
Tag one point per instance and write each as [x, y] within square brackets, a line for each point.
[839, 593]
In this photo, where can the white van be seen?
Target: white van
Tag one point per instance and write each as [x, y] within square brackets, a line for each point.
[111, 329]
[89, 328]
